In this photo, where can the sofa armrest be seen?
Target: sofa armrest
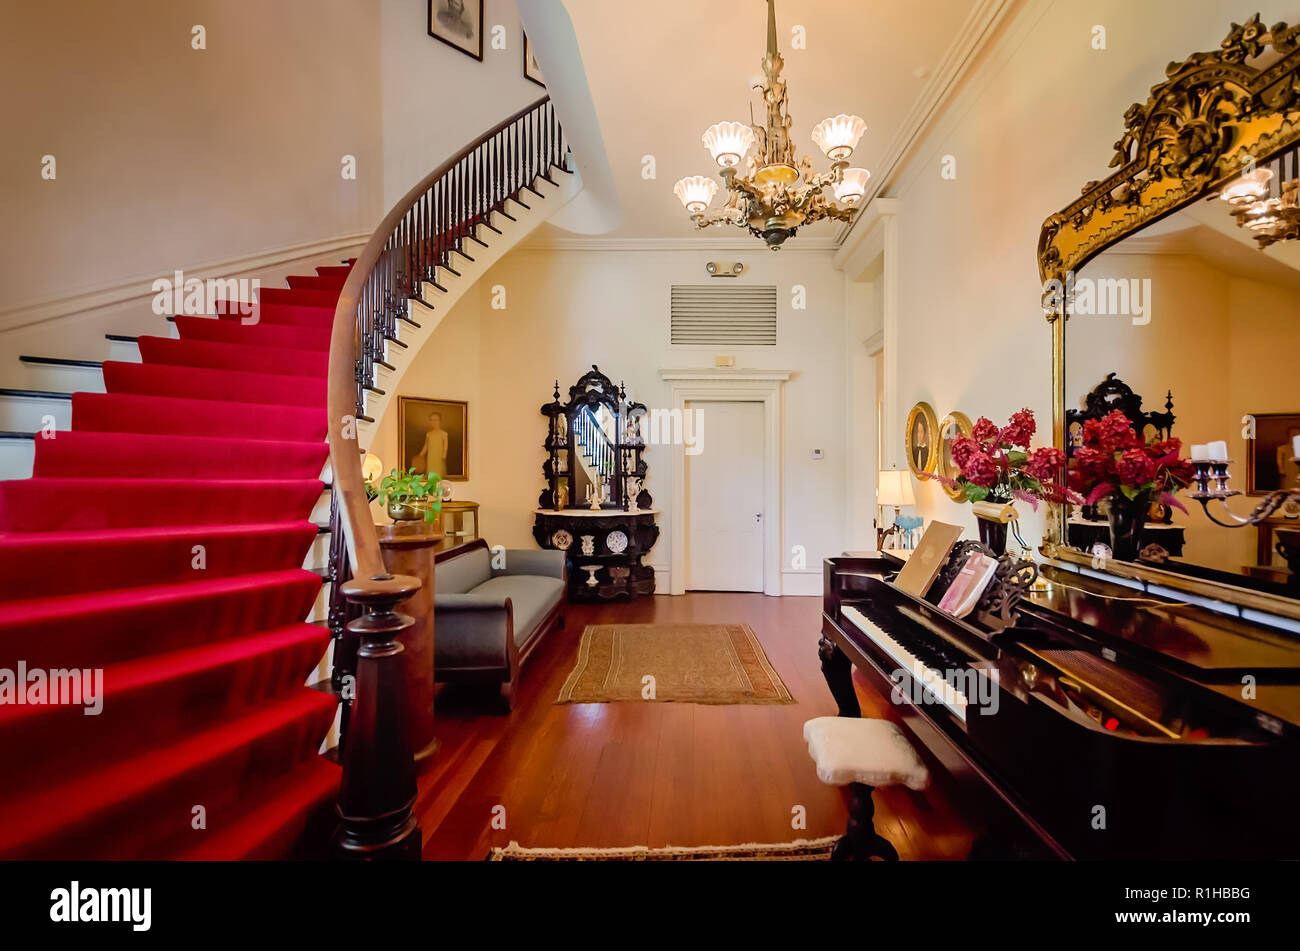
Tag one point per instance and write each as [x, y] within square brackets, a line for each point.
[523, 561]
[472, 631]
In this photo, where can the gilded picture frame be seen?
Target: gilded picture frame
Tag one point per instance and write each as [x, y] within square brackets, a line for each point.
[950, 427]
[419, 420]
[921, 440]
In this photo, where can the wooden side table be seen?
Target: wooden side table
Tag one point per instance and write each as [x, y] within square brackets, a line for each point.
[453, 521]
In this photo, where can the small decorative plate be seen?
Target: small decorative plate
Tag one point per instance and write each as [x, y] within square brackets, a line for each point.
[562, 539]
[616, 541]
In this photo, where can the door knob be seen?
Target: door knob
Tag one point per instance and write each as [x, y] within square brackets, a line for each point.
[758, 517]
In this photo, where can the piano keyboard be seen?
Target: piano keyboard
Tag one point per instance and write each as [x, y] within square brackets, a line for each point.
[952, 698]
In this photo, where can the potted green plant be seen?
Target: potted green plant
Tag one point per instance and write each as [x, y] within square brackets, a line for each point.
[410, 496]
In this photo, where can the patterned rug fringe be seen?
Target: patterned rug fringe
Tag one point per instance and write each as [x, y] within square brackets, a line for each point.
[800, 850]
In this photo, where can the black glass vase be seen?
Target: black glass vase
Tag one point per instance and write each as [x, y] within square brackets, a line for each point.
[1128, 520]
[993, 534]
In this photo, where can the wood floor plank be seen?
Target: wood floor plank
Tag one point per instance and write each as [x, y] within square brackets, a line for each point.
[650, 773]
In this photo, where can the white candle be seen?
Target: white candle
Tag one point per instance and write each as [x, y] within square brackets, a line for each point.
[1295, 447]
[1200, 454]
[1218, 451]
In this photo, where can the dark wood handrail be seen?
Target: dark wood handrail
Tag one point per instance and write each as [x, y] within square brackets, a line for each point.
[346, 343]
[415, 238]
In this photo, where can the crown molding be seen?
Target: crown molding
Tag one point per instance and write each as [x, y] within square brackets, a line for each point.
[119, 292]
[975, 35]
[597, 243]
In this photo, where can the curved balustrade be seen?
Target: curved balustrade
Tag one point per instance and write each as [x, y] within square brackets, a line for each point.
[417, 237]
[594, 443]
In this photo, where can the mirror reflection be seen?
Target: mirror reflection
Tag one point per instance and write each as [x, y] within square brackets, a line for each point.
[1189, 329]
[593, 445]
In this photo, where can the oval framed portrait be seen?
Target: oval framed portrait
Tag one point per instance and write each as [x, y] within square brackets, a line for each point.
[950, 427]
[920, 438]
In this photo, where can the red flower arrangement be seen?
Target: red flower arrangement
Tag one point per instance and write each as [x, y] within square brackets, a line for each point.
[997, 464]
[1112, 460]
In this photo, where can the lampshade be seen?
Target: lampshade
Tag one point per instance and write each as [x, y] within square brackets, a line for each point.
[1262, 216]
[372, 467]
[894, 488]
[1250, 187]
[695, 192]
[728, 142]
[853, 187]
[838, 136]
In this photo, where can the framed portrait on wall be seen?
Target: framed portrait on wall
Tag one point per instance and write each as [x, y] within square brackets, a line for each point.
[433, 436]
[458, 23]
[1270, 456]
[950, 427]
[532, 70]
[921, 440]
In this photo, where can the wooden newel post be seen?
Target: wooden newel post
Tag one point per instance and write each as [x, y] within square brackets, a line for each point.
[378, 788]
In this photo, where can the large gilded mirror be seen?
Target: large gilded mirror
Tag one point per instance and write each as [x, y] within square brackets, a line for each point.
[1172, 289]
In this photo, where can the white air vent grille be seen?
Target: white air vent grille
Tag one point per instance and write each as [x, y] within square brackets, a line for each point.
[724, 315]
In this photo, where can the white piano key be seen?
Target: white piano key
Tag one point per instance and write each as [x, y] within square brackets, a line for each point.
[943, 691]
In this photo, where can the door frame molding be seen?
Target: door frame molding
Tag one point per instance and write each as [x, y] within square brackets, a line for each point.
[729, 386]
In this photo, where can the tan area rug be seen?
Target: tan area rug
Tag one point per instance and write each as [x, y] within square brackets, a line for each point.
[690, 663]
[801, 850]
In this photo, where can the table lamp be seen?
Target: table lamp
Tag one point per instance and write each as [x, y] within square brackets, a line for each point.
[894, 487]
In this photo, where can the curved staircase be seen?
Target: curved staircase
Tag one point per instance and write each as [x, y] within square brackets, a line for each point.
[166, 537]
[163, 539]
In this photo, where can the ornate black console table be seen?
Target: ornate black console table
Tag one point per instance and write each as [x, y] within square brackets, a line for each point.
[603, 550]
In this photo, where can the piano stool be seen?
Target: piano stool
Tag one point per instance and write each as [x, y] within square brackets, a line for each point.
[862, 754]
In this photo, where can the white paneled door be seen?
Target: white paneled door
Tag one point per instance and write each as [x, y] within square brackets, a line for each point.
[724, 498]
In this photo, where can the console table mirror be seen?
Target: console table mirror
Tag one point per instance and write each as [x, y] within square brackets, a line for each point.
[1179, 274]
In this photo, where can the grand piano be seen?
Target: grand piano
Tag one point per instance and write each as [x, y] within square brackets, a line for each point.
[1093, 721]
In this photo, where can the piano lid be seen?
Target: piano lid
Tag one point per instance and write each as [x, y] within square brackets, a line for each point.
[1214, 647]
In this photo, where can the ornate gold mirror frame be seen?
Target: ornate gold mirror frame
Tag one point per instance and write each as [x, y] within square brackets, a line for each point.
[1213, 116]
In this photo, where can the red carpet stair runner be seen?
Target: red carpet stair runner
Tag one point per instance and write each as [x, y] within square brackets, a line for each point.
[162, 540]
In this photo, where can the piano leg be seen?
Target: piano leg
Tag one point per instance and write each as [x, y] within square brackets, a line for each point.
[838, 671]
[861, 841]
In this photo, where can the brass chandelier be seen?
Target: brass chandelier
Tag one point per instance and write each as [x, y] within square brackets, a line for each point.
[776, 193]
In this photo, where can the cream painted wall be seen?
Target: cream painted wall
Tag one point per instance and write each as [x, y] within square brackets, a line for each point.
[449, 367]
[566, 310]
[169, 157]
[1034, 124]
[1261, 367]
[862, 326]
[436, 99]
[1189, 335]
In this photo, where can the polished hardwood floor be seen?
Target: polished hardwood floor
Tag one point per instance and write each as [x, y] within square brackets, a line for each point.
[617, 774]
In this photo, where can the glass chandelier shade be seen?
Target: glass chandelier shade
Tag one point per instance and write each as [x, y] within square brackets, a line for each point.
[728, 142]
[854, 185]
[838, 136]
[695, 192]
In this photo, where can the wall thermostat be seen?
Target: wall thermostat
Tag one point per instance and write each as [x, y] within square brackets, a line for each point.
[725, 268]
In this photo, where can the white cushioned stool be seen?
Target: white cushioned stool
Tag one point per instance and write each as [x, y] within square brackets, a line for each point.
[862, 754]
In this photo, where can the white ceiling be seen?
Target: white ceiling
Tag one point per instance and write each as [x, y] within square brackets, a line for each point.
[661, 72]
